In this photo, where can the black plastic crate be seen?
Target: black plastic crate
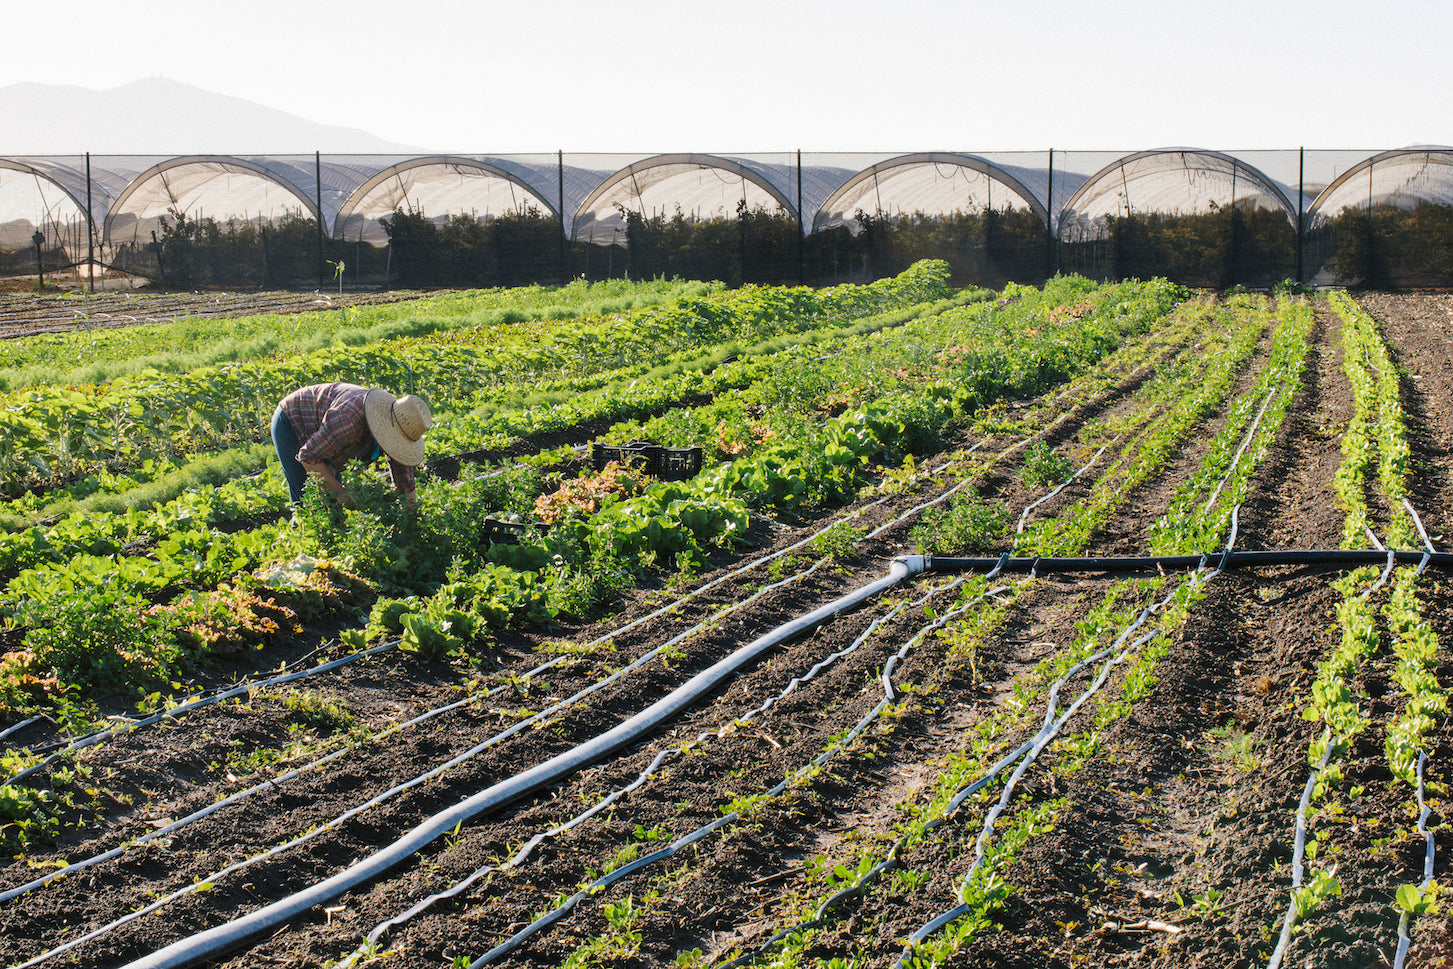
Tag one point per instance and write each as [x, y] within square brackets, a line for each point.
[497, 532]
[666, 463]
[641, 457]
[678, 464]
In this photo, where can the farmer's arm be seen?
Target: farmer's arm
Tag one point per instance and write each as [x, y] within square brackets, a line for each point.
[332, 444]
[330, 479]
[404, 483]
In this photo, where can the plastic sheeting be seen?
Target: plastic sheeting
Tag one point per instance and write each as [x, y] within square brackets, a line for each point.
[933, 184]
[1169, 181]
[229, 190]
[699, 187]
[1399, 179]
[441, 186]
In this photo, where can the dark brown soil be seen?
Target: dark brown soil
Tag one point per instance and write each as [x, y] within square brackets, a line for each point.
[1164, 850]
[27, 314]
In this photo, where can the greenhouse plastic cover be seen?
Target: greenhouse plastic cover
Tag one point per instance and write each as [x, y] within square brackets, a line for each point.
[934, 183]
[1170, 181]
[1401, 178]
[1073, 192]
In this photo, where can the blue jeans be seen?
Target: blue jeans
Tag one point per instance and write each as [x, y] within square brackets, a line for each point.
[285, 439]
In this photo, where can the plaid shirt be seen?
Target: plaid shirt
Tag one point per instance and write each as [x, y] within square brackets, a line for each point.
[329, 419]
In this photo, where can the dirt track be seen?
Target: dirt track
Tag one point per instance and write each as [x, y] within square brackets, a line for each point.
[1162, 818]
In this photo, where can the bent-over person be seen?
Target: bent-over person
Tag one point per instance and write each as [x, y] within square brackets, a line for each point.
[319, 428]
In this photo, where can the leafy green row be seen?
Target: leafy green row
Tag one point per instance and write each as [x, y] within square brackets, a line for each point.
[1413, 639]
[86, 357]
[1192, 391]
[1187, 526]
[1377, 422]
[1377, 433]
[57, 432]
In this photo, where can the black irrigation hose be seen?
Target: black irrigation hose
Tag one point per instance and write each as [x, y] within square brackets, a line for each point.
[1152, 563]
[610, 878]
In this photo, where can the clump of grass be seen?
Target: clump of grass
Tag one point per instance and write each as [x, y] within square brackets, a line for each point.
[321, 712]
[1236, 747]
[969, 524]
[1044, 467]
[839, 543]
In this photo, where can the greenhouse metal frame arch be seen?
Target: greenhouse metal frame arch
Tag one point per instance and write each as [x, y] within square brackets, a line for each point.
[1102, 185]
[586, 221]
[828, 215]
[228, 164]
[15, 236]
[461, 166]
[1329, 202]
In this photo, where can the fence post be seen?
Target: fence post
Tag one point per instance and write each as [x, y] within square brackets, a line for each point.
[1301, 217]
[564, 243]
[801, 225]
[1051, 254]
[90, 230]
[318, 176]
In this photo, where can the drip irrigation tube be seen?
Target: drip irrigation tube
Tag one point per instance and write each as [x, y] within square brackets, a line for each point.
[1350, 558]
[1405, 940]
[1054, 721]
[203, 700]
[731, 817]
[1024, 515]
[1299, 838]
[222, 938]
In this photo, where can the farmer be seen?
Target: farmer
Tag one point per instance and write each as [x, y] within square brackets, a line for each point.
[322, 427]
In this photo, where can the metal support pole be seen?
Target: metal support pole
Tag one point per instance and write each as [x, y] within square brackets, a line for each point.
[1052, 256]
[90, 230]
[801, 225]
[560, 175]
[318, 175]
[1301, 217]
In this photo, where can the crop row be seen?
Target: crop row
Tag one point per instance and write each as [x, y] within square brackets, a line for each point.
[984, 888]
[1376, 450]
[56, 433]
[830, 422]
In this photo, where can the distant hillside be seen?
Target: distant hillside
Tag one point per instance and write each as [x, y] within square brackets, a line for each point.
[157, 116]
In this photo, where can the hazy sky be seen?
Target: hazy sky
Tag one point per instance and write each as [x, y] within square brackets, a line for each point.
[760, 75]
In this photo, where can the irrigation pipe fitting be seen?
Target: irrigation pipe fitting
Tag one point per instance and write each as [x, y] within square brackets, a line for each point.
[229, 935]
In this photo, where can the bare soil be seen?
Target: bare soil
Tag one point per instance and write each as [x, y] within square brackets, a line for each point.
[1165, 850]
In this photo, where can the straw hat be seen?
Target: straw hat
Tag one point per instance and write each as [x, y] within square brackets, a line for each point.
[398, 424]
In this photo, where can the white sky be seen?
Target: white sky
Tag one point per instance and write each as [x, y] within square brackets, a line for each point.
[775, 75]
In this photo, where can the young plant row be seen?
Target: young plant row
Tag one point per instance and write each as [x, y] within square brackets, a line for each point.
[53, 434]
[1376, 464]
[1153, 435]
[96, 356]
[1199, 515]
[988, 888]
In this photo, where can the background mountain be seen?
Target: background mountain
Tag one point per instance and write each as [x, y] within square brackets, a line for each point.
[157, 116]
